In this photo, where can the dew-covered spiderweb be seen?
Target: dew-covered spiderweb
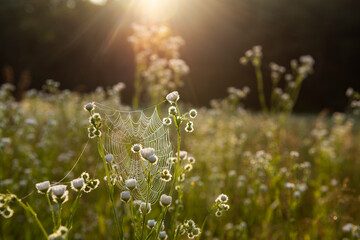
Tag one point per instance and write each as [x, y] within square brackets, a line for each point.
[123, 129]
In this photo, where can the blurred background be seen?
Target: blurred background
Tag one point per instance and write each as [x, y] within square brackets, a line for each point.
[84, 44]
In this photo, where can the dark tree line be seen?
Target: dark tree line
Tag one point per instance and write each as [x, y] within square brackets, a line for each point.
[83, 45]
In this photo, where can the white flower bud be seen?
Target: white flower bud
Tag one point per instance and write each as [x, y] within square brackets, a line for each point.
[130, 183]
[89, 107]
[289, 185]
[182, 155]
[151, 223]
[145, 208]
[125, 196]
[167, 121]
[58, 190]
[109, 158]
[42, 187]
[172, 111]
[163, 235]
[165, 200]
[136, 148]
[147, 152]
[173, 97]
[193, 113]
[77, 183]
[222, 198]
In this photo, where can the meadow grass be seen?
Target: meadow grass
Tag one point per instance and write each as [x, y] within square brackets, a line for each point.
[286, 177]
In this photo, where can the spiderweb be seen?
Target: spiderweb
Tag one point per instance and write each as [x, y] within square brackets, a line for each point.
[123, 129]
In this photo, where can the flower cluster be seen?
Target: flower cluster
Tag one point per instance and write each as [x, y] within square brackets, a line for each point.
[165, 175]
[5, 200]
[354, 99]
[51, 86]
[87, 184]
[94, 120]
[158, 63]
[148, 154]
[190, 228]
[220, 204]
[303, 66]
[253, 55]
[281, 99]
[353, 229]
[60, 234]
[174, 113]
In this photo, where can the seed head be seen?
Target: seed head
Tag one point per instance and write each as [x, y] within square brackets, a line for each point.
[182, 155]
[222, 198]
[173, 97]
[172, 111]
[89, 107]
[189, 127]
[58, 190]
[145, 208]
[136, 148]
[193, 113]
[151, 223]
[131, 183]
[125, 196]
[167, 121]
[188, 167]
[165, 200]
[109, 158]
[147, 152]
[77, 184]
[163, 235]
[42, 187]
[191, 160]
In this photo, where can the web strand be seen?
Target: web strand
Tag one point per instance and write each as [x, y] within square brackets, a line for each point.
[123, 129]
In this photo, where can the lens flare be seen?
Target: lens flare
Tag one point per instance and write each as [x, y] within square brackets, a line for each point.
[160, 10]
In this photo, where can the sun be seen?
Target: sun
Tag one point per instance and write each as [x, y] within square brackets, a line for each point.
[161, 10]
[98, 2]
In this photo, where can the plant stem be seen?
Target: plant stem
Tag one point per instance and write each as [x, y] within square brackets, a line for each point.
[110, 187]
[298, 82]
[29, 209]
[146, 203]
[138, 87]
[59, 215]
[163, 211]
[131, 203]
[205, 219]
[52, 212]
[260, 86]
[176, 175]
[73, 210]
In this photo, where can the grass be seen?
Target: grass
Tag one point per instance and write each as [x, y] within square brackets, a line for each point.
[243, 154]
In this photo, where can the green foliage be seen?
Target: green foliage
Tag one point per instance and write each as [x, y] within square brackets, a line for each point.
[285, 180]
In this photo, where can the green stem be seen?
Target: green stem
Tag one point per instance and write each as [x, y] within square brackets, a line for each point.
[110, 187]
[52, 212]
[260, 86]
[132, 213]
[163, 212]
[272, 101]
[176, 174]
[73, 210]
[29, 209]
[298, 82]
[138, 87]
[59, 215]
[146, 203]
[205, 219]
